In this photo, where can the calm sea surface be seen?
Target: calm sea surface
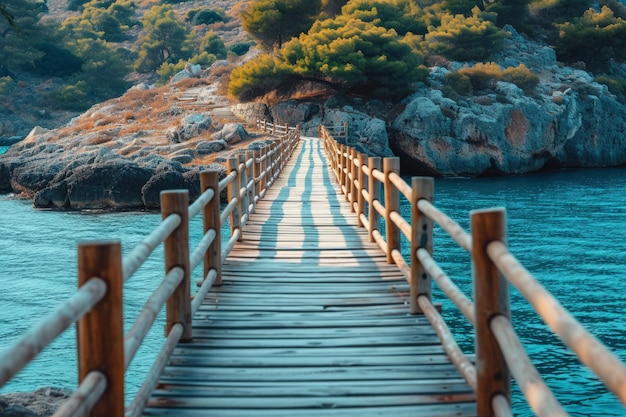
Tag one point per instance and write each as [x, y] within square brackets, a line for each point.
[567, 227]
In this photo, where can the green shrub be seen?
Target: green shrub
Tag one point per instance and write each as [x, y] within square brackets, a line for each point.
[213, 44]
[205, 16]
[463, 38]
[483, 76]
[521, 77]
[5, 84]
[596, 38]
[257, 77]
[73, 97]
[459, 83]
[241, 48]
[616, 85]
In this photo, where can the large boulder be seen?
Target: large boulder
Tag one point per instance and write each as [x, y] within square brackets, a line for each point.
[209, 147]
[251, 112]
[293, 113]
[231, 133]
[165, 177]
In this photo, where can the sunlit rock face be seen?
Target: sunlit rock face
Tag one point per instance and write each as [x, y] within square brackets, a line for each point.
[568, 120]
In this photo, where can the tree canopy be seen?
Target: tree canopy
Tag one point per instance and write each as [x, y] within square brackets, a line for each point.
[273, 22]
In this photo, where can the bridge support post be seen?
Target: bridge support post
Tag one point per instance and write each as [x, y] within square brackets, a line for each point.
[342, 167]
[211, 220]
[256, 176]
[374, 163]
[244, 206]
[263, 173]
[100, 333]
[491, 299]
[421, 238]
[355, 169]
[360, 202]
[178, 307]
[232, 164]
[392, 203]
[348, 165]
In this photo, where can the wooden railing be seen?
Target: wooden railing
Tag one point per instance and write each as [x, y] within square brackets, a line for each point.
[339, 131]
[274, 129]
[499, 353]
[104, 352]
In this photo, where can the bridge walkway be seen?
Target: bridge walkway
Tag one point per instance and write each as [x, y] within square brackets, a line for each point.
[310, 321]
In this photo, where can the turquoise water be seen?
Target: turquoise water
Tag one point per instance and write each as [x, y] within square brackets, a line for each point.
[566, 227]
[3, 149]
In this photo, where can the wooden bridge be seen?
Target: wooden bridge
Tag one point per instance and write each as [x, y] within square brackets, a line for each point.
[310, 308]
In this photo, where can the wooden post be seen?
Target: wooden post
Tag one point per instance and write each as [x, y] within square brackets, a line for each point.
[348, 166]
[355, 172]
[345, 130]
[374, 163]
[211, 219]
[233, 192]
[421, 238]
[362, 186]
[245, 204]
[263, 182]
[100, 333]
[256, 175]
[491, 298]
[177, 255]
[392, 203]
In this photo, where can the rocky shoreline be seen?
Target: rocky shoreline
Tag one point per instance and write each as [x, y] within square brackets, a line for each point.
[42, 402]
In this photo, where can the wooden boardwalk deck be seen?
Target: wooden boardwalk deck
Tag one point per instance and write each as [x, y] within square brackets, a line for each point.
[310, 321]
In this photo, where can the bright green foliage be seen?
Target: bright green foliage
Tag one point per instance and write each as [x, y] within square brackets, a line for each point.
[213, 44]
[521, 76]
[273, 22]
[594, 38]
[205, 16]
[258, 76]
[164, 40]
[403, 16]
[358, 56]
[19, 33]
[465, 38]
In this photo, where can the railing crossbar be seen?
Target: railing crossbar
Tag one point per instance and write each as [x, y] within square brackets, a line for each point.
[37, 338]
[142, 251]
[149, 312]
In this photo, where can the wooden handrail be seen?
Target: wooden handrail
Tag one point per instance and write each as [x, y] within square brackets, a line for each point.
[586, 346]
[104, 352]
[491, 258]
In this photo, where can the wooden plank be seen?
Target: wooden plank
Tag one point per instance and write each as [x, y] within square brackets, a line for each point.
[430, 410]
